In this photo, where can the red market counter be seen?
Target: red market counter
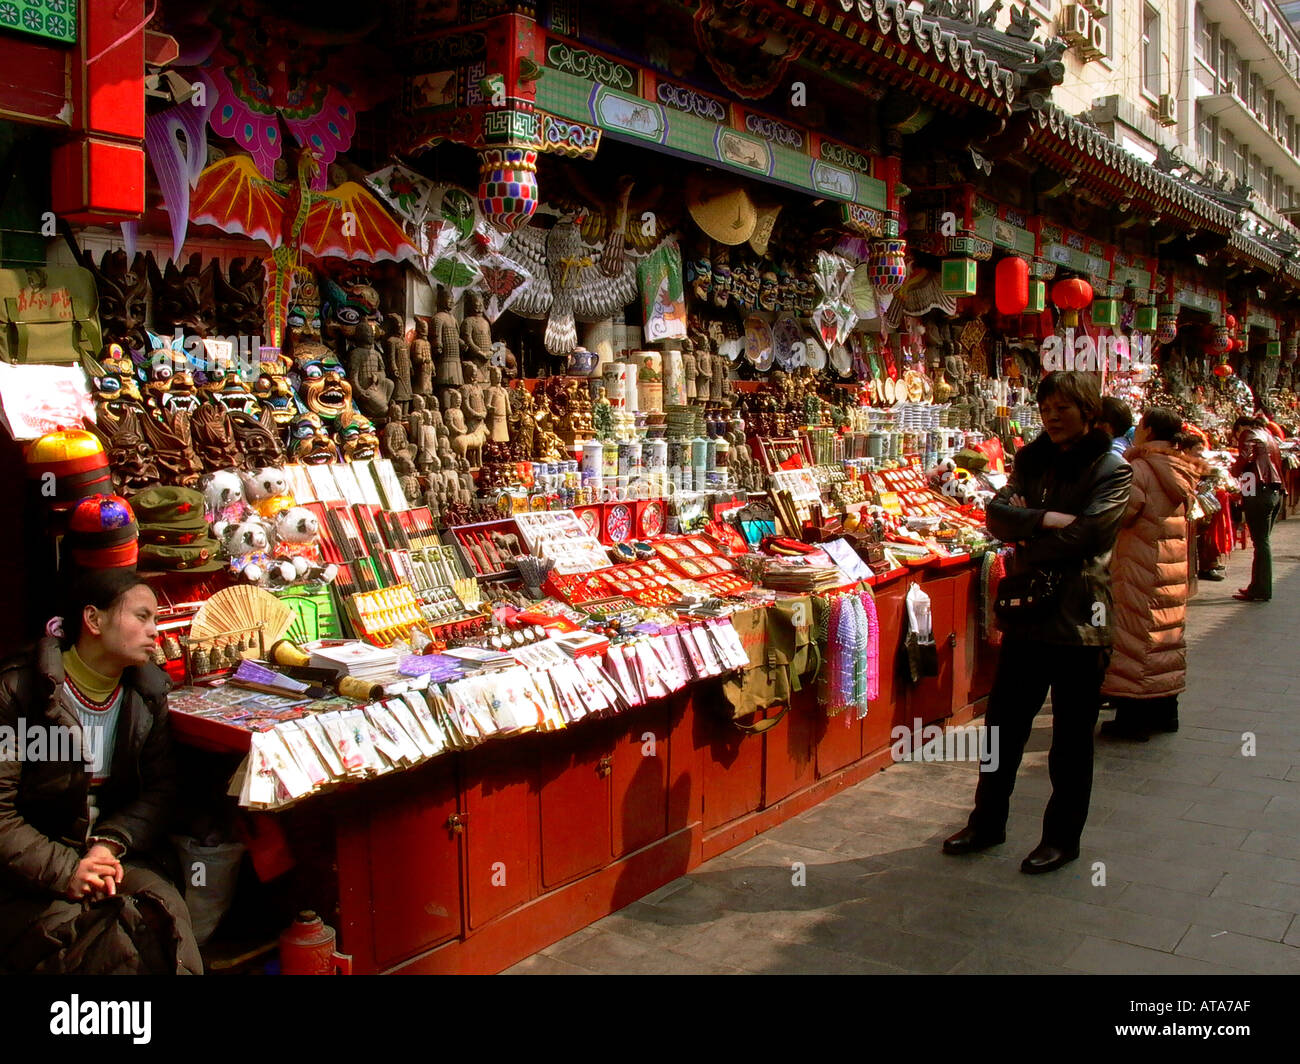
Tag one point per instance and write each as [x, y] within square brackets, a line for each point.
[483, 857]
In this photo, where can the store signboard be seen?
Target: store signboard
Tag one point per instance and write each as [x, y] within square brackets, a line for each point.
[618, 112]
[55, 20]
[1203, 301]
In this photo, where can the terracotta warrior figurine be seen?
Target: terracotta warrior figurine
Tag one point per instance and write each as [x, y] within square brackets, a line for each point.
[475, 333]
[446, 344]
[498, 407]
[421, 352]
[397, 444]
[370, 385]
[473, 399]
[397, 359]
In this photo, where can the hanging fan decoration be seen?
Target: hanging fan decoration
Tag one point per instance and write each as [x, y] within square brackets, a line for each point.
[240, 609]
[834, 316]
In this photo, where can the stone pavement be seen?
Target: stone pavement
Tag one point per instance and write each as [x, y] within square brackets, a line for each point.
[1200, 847]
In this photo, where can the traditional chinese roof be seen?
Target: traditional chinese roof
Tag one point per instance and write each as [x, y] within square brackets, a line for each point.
[959, 57]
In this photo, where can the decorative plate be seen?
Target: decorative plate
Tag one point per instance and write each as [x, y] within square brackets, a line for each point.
[758, 344]
[618, 523]
[652, 519]
[891, 395]
[785, 337]
[841, 360]
[591, 521]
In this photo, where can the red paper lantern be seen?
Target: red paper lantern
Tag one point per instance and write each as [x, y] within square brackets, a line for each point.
[1071, 296]
[1011, 288]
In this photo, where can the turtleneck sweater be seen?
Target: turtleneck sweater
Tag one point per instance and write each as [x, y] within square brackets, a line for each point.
[96, 701]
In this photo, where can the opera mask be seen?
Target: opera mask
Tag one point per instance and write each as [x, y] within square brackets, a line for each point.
[323, 388]
[744, 286]
[721, 284]
[309, 442]
[347, 305]
[185, 299]
[768, 290]
[113, 379]
[302, 326]
[169, 384]
[355, 435]
[699, 275]
[787, 296]
[272, 388]
[233, 393]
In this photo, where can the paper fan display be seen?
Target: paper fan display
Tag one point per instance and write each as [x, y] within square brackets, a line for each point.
[239, 608]
[786, 338]
[758, 344]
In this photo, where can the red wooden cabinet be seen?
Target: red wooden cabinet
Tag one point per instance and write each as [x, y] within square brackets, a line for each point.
[642, 763]
[891, 707]
[574, 805]
[792, 753]
[931, 698]
[500, 828]
[731, 761]
[965, 614]
[400, 867]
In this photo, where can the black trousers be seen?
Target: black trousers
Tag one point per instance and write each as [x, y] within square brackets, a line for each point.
[1261, 510]
[1027, 670]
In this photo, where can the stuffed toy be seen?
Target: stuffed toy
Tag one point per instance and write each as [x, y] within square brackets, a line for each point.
[223, 495]
[247, 544]
[267, 491]
[296, 532]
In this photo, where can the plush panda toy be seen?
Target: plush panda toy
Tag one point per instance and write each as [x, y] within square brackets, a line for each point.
[223, 495]
[296, 543]
[247, 545]
[267, 491]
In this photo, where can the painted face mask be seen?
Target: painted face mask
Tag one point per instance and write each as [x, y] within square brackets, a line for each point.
[273, 391]
[768, 291]
[699, 275]
[170, 382]
[309, 443]
[355, 435]
[721, 285]
[323, 388]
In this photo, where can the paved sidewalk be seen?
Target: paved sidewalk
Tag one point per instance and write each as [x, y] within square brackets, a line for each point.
[1200, 847]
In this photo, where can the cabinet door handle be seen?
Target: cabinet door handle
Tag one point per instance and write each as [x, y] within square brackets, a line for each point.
[456, 823]
[952, 639]
[605, 765]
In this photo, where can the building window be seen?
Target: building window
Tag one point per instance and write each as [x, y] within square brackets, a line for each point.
[1207, 134]
[1204, 36]
[1151, 50]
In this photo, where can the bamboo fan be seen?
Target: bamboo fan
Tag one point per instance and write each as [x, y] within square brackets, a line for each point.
[241, 608]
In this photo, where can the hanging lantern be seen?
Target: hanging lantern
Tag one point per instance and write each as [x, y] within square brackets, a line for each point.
[1223, 370]
[507, 186]
[1167, 330]
[958, 276]
[1145, 319]
[887, 267]
[1011, 285]
[1105, 312]
[1290, 347]
[1071, 296]
[1037, 297]
[1220, 342]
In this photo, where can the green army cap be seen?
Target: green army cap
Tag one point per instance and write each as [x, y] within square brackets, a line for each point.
[165, 505]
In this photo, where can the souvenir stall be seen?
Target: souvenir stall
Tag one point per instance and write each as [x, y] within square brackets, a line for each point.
[585, 466]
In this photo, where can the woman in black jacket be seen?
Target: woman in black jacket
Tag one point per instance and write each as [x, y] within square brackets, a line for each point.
[87, 784]
[1062, 508]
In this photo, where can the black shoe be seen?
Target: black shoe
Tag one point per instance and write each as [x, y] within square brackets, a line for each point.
[1211, 574]
[1114, 729]
[1047, 859]
[1169, 724]
[968, 840]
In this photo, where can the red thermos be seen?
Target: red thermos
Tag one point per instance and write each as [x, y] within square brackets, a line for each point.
[307, 948]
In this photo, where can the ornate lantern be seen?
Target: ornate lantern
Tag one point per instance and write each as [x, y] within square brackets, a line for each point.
[1011, 285]
[507, 186]
[888, 265]
[1071, 296]
[1167, 329]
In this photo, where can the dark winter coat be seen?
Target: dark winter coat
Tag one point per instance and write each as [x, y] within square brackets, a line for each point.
[1091, 482]
[44, 810]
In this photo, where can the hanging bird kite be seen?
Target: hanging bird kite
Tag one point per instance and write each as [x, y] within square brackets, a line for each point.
[346, 222]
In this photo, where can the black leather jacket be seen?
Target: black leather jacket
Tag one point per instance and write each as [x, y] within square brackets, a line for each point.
[1092, 483]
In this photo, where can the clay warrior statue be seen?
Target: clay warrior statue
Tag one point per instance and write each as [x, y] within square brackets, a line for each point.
[475, 333]
[397, 358]
[421, 359]
[446, 344]
[370, 386]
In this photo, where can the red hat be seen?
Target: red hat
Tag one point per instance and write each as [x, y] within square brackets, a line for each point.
[102, 533]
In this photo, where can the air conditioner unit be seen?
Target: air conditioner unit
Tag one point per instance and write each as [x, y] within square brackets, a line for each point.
[1167, 111]
[1076, 24]
[1094, 47]
[1096, 8]
[1229, 88]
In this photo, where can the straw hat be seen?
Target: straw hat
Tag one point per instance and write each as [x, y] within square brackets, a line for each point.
[721, 208]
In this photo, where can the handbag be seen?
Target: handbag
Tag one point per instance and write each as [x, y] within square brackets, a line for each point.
[919, 648]
[1027, 596]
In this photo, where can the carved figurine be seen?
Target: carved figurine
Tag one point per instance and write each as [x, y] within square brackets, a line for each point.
[475, 333]
[213, 435]
[421, 359]
[130, 457]
[397, 360]
[464, 442]
[310, 442]
[397, 443]
[446, 344]
[124, 299]
[498, 408]
[239, 300]
[258, 437]
[185, 300]
[522, 427]
[173, 447]
[466, 481]
[370, 385]
[473, 400]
